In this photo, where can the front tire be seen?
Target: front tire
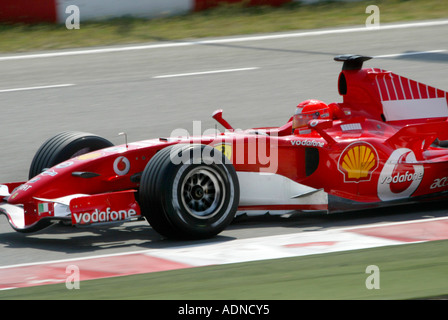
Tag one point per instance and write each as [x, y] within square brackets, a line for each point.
[64, 146]
[194, 198]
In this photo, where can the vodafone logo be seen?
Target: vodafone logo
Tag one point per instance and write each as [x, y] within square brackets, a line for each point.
[400, 177]
[103, 216]
[122, 166]
[307, 143]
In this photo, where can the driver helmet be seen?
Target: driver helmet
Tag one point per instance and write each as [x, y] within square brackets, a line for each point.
[309, 110]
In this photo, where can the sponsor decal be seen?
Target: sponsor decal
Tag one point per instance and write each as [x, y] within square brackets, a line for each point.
[44, 208]
[50, 173]
[108, 215]
[90, 156]
[351, 127]
[307, 143]
[64, 164]
[303, 131]
[115, 149]
[439, 183]
[23, 187]
[400, 177]
[142, 144]
[314, 123]
[358, 161]
[122, 166]
[225, 148]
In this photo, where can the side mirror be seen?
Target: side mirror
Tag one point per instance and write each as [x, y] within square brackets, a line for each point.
[320, 126]
[217, 115]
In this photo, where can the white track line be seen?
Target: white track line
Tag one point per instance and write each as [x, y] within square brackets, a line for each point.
[186, 248]
[204, 72]
[395, 55]
[226, 40]
[37, 88]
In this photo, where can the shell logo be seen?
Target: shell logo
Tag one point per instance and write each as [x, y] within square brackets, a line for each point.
[358, 161]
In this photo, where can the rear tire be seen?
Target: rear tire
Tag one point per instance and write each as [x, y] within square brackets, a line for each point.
[195, 198]
[64, 146]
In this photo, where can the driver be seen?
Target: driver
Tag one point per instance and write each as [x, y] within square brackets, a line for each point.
[309, 110]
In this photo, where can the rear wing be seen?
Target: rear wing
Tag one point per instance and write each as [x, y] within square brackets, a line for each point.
[385, 96]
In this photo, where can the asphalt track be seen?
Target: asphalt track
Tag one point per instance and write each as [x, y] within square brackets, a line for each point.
[152, 89]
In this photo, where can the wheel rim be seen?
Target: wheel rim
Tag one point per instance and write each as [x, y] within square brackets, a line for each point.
[203, 192]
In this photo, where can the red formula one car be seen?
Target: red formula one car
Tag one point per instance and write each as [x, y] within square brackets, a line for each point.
[383, 145]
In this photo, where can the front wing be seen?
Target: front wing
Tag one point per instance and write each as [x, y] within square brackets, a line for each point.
[79, 209]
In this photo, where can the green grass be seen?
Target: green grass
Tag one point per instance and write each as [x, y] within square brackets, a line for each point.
[413, 271]
[223, 21]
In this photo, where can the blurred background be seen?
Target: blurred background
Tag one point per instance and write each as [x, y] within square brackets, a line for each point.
[149, 67]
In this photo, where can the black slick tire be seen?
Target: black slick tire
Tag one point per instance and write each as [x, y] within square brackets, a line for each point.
[64, 146]
[189, 192]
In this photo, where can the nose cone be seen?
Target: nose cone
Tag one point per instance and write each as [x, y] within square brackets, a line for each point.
[20, 195]
[92, 173]
[47, 185]
[25, 192]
